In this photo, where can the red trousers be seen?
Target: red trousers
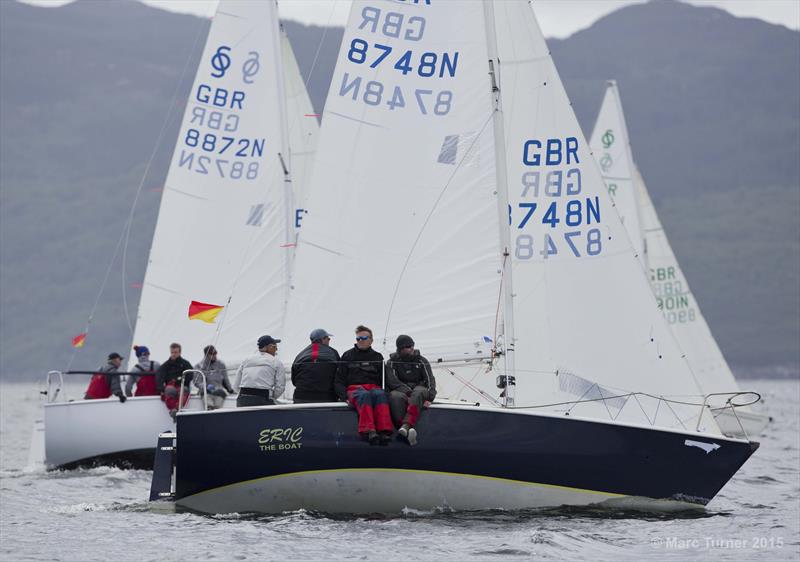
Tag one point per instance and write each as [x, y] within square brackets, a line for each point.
[372, 405]
[172, 391]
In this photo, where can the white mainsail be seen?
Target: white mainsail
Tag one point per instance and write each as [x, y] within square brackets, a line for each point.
[224, 234]
[303, 129]
[403, 232]
[405, 238]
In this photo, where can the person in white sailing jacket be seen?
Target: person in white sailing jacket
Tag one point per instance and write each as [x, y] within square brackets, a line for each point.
[106, 382]
[261, 378]
[145, 377]
[217, 383]
[411, 383]
[314, 370]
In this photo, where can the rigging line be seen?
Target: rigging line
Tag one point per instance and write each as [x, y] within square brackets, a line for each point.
[127, 229]
[499, 301]
[97, 297]
[467, 154]
[319, 45]
[473, 388]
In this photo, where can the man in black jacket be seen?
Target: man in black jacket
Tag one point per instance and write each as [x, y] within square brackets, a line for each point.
[411, 383]
[359, 381]
[169, 378]
[314, 370]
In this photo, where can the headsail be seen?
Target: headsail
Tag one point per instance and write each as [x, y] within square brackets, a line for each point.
[586, 322]
[223, 235]
[611, 146]
[678, 304]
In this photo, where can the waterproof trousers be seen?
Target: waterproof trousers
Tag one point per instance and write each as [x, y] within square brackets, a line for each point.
[372, 406]
[407, 408]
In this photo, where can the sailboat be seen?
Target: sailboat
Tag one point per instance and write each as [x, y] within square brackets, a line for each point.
[455, 199]
[611, 146]
[225, 233]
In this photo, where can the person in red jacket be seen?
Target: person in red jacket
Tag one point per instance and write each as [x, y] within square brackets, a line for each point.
[145, 377]
[106, 381]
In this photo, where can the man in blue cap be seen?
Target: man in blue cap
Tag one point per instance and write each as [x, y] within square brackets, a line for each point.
[314, 370]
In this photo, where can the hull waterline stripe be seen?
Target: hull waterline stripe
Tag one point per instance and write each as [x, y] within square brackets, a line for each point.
[408, 470]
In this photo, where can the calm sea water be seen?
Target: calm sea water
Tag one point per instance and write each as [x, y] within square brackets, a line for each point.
[103, 514]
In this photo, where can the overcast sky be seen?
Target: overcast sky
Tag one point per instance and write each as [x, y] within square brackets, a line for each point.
[558, 18]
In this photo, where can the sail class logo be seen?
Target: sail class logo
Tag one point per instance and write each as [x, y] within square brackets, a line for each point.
[281, 439]
[606, 162]
[608, 138]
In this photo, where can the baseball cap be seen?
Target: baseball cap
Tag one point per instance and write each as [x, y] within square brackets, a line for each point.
[318, 334]
[264, 341]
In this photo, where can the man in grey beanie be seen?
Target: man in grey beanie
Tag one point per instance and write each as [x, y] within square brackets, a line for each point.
[410, 380]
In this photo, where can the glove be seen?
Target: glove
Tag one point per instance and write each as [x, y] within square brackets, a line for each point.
[121, 396]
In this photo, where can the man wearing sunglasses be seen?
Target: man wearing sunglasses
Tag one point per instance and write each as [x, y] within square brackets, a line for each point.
[359, 381]
[410, 380]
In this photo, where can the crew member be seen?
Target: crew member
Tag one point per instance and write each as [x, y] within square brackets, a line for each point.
[411, 383]
[170, 377]
[106, 381]
[145, 377]
[359, 382]
[314, 370]
[261, 378]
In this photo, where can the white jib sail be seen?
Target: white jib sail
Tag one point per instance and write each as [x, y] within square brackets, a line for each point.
[223, 236]
[678, 304]
[403, 232]
[586, 322]
[610, 144]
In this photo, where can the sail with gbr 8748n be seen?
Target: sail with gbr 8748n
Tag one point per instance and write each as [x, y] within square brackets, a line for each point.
[412, 234]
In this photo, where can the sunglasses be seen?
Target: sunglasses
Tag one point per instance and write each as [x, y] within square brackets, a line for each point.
[362, 338]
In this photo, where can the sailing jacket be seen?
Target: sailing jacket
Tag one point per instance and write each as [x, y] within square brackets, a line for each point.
[172, 371]
[404, 372]
[216, 374]
[104, 383]
[313, 373]
[145, 382]
[358, 367]
[264, 372]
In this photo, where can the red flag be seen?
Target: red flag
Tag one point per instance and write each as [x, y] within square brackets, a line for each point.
[203, 311]
[79, 340]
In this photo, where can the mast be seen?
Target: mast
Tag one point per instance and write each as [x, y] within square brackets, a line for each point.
[507, 380]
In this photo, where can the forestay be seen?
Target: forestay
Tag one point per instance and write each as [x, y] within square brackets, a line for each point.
[224, 231]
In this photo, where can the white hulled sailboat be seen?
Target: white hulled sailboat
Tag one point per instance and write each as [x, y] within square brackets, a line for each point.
[225, 233]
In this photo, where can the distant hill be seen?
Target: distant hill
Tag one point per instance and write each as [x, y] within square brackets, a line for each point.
[712, 103]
